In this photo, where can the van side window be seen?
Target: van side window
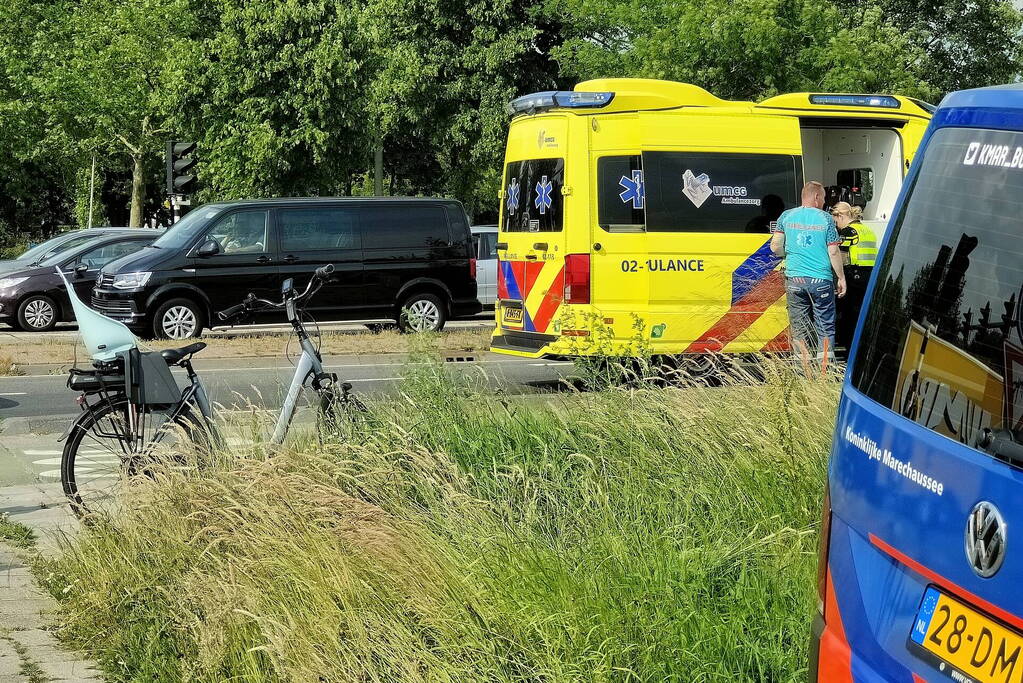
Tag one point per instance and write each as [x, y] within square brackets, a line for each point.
[242, 232]
[621, 193]
[532, 196]
[716, 192]
[942, 342]
[312, 229]
[404, 225]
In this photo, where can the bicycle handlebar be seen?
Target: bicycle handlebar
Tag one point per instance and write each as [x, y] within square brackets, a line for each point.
[249, 304]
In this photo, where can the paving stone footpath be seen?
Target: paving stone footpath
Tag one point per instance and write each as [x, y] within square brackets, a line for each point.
[29, 652]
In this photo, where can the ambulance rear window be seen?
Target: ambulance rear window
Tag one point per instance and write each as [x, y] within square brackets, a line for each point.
[532, 196]
[942, 338]
[715, 192]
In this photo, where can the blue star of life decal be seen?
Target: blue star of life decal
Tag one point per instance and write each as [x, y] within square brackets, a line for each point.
[543, 199]
[634, 189]
[513, 195]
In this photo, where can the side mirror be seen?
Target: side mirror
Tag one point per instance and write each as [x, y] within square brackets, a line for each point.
[81, 269]
[208, 248]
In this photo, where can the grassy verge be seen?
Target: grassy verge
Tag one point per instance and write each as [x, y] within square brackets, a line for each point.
[453, 535]
[9, 368]
[65, 351]
[16, 534]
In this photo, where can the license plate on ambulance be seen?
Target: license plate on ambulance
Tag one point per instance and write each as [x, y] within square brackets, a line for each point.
[965, 641]
[511, 315]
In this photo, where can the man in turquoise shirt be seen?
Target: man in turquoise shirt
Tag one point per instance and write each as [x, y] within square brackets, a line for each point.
[807, 238]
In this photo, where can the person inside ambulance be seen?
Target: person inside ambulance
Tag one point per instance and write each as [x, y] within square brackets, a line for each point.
[859, 251]
[771, 206]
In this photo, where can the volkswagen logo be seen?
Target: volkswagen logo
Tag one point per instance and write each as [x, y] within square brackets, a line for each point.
[985, 539]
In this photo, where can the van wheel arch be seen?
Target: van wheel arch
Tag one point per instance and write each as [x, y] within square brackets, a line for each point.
[423, 286]
[158, 300]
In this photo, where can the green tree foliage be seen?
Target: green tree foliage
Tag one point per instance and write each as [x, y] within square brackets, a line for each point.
[290, 97]
[756, 48]
[276, 95]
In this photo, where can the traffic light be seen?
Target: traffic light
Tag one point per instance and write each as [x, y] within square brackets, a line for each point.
[180, 168]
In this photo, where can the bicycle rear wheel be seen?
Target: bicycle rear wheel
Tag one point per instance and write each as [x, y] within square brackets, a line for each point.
[110, 444]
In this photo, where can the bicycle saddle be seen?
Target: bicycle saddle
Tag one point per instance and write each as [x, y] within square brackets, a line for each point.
[174, 355]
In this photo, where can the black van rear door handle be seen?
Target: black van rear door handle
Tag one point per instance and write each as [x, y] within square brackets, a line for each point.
[290, 258]
[263, 259]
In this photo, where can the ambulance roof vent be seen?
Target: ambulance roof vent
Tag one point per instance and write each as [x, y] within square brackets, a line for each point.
[650, 93]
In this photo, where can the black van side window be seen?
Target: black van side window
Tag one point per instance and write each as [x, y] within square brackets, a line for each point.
[532, 196]
[242, 232]
[942, 342]
[716, 192]
[621, 193]
[320, 228]
[404, 226]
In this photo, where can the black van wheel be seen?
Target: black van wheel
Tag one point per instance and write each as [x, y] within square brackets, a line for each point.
[37, 313]
[178, 319]
[422, 313]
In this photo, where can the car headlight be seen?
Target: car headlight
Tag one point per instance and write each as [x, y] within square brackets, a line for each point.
[131, 280]
[8, 282]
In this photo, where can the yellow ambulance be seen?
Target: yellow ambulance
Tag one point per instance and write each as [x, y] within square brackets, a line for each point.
[636, 214]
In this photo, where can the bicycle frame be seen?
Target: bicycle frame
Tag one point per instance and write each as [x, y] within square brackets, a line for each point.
[308, 364]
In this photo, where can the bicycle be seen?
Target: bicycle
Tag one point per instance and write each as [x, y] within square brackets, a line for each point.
[124, 432]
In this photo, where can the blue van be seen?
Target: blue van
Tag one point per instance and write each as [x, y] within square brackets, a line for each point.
[921, 569]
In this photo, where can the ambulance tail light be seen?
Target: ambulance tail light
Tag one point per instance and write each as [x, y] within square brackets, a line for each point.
[577, 279]
[550, 99]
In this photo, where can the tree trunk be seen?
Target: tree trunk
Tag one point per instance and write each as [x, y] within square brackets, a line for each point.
[138, 191]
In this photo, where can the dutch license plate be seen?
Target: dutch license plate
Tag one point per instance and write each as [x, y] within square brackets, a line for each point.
[975, 646]
[511, 316]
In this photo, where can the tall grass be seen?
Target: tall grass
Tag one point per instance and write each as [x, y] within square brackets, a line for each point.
[456, 534]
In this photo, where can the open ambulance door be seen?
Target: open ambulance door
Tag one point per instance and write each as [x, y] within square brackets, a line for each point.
[683, 229]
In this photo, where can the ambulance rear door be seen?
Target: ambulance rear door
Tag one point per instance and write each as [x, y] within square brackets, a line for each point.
[533, 234]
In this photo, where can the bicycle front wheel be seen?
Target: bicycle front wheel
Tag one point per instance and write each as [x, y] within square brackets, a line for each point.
[111, 443]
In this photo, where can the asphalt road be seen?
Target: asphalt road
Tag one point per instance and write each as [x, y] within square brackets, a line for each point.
[237, 383]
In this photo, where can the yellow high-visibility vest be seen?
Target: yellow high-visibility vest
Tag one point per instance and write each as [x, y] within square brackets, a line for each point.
[861, 243]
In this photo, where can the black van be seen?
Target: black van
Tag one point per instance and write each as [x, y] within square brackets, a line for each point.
[408, 259]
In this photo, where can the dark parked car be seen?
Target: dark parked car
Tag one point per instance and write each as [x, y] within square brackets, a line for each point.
[33, 298]
[408, 259]
[54, 245]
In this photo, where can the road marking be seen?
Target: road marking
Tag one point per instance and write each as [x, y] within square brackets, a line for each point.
[15, 393]
[90, 451]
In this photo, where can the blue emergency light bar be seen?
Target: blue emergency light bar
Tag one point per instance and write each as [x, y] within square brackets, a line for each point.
[550, 99]
[886, 101]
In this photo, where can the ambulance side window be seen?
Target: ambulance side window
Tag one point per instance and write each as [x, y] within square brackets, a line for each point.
[621, 193]
[532, 195]
[718, 192]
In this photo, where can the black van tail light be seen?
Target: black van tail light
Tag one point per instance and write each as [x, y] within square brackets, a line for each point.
[472, 268]
[822, 555]
[577, 279]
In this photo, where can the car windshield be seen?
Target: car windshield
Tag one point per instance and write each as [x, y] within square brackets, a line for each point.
[185, 230]
[55, 245]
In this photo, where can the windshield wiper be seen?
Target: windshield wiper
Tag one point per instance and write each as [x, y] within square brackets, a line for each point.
[1001, 444]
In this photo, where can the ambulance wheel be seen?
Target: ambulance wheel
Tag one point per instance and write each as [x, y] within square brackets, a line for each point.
[422, 313]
